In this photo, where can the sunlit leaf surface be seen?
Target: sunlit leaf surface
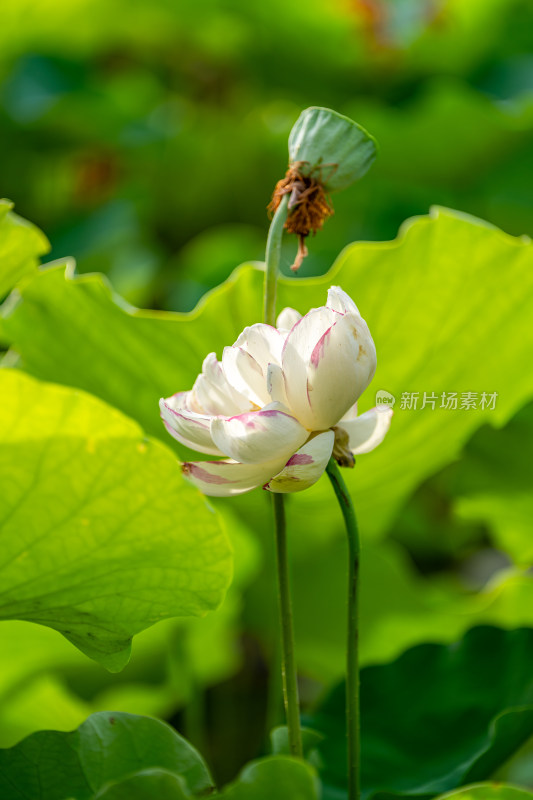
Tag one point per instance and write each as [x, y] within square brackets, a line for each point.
[101, 537]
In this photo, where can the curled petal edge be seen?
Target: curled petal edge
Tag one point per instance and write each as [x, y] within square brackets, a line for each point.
[368, 430]
[305, 467]
[227, 478]
[188, 427]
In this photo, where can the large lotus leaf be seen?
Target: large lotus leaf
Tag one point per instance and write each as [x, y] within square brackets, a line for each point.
[101, 537]
[433, 301]
[107, 747]
[438, 717]
[168, 662]
[21, 244]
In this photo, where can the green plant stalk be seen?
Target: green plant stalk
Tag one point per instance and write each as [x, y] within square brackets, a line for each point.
[273, 258]
[352, 645]
[274, 708]
[288, 661]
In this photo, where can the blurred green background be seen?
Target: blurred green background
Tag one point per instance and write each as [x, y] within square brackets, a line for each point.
[145, 139]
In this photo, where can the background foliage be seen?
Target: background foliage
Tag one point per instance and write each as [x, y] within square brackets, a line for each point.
[145, 140]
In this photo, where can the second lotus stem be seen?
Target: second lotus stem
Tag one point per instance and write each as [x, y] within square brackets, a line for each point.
[352, 649]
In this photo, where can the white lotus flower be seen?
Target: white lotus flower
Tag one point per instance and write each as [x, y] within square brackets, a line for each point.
[280, 402]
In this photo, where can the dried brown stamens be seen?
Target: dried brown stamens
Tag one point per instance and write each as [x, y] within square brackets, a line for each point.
[308, 205]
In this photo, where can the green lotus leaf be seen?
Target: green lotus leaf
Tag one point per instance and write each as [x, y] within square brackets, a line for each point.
[106, 748]
[275, 776]
[101, 537]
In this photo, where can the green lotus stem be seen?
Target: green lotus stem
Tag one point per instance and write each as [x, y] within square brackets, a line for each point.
[274, 713]
[273, 258]
[352, 648]
[288, 661]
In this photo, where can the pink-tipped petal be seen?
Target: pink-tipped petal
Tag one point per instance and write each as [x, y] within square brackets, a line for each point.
[227, 478]
[259, 436]
[245, 374]
[341, 366]
[296, 355]
[338, 300]
[188, 427]
[305, 467]
[263, 342]
[368, 430]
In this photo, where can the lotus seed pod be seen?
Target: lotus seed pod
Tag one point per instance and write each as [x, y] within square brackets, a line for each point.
[331, 148]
